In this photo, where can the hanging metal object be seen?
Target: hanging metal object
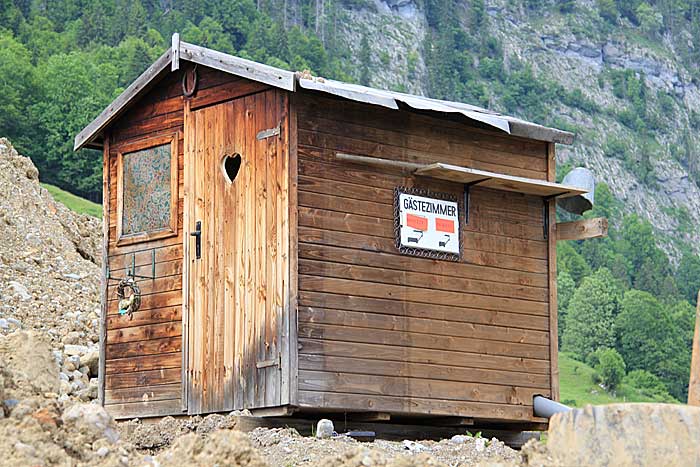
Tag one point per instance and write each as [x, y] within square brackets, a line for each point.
[582, 178]
[129, 296]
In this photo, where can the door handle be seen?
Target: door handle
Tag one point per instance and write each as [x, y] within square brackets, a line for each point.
[197, 234]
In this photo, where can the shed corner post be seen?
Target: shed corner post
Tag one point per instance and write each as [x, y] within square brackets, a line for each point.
[188, 147]
[104, 282]
[552, 279]
[292, 346]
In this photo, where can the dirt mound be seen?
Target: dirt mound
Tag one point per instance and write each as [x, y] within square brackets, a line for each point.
[221, 448]
[36, 428]
[49, 276]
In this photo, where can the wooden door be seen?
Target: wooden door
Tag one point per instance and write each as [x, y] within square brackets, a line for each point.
[237, 193]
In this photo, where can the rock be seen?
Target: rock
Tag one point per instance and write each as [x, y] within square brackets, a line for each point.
[77, 386]
[413, 446]
[75, 360]
[626, 435]
[92, 421]
[4, 324]
[65, 387]
[20, 290]
[92, 361]
[71, 338]
[58, 356]
[459, 439]
[14, 323]
[78, 350]
[324, 428]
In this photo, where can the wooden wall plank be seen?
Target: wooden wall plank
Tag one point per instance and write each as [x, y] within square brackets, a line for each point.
[143, 363]
[149, 347]
[552, 271]
[411, 354]
[380, 330]
[422, 310]
[407, 369]
[144, 393]
[424, 326]
[425, 341]
[143, 378]
[418, 295]
[417, 405]
[144, 409]
[323, 381]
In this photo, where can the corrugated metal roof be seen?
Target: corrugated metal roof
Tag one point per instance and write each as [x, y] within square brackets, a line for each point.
[287, 80]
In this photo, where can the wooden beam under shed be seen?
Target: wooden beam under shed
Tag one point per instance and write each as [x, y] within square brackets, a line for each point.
[448, 421]
[369, 416]
[583, 229]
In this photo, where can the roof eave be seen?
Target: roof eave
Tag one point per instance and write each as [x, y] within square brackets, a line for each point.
[119, 105]
[288, 80]
[539, 132]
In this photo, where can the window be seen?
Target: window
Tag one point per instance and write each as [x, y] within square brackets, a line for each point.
[147, 189]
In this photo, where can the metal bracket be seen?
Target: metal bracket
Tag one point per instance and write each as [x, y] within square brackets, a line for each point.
[131, 271]
[267, 133]
[272, 362]
[467, 187]
[545, 214]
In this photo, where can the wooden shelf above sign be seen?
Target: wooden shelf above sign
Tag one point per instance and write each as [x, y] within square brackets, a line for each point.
[483, 178]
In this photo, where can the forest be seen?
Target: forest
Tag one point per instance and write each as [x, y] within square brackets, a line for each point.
[625, 307]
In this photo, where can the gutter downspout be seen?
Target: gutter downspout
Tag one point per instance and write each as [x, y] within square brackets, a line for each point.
[546, 408]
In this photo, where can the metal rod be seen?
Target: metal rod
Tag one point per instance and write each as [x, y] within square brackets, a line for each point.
[378, 161]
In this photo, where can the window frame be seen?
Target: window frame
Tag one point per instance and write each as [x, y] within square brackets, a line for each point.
[140, 145]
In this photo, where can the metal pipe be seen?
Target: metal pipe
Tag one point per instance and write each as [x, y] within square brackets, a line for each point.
[545, 408]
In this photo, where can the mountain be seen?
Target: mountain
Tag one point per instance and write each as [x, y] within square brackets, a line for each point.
[625, 84]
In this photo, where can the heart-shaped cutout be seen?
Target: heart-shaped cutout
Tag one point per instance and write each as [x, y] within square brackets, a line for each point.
[232, 164]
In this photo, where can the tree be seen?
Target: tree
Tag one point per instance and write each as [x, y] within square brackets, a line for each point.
[688, 277]
[77, 89]
[649, 385]
[649, 339]
[569, 260]
[591, 315]
[608, 10]
[565, 290]
[365, 57]
[649, 264]
[650, 20]
[18, 87]
[609, 368]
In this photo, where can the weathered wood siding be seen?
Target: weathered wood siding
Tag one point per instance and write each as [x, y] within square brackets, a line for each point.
[239, 288]
[379, 331]
[143, 355]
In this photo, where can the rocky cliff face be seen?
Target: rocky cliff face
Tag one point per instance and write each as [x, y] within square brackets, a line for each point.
[579, 51]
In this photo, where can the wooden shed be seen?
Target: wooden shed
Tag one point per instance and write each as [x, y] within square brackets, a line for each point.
[305, 245]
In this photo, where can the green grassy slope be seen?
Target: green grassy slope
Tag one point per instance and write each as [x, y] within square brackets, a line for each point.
[577, 388]
[73, 202]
